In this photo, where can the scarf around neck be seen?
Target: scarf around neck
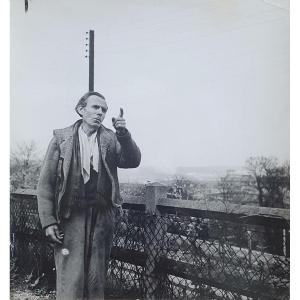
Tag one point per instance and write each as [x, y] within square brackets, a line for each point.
[89, 153]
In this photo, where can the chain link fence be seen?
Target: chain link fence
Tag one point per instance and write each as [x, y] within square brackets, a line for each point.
[171, 256]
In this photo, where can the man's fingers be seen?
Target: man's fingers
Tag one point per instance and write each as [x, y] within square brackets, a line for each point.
[59, 235]
[115, 120]
[53, 234]
[53, 238]
[119, 123]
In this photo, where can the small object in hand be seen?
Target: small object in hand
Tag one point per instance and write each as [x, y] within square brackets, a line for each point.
[65, 252]
[120, 115]
[119, 123]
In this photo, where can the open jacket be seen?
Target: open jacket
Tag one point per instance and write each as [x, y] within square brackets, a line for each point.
[116, 151]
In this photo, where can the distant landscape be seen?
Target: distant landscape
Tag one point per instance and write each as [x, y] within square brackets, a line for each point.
[262, 181]
[205, 173]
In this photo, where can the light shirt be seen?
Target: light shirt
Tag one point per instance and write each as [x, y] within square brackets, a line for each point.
[89, 153]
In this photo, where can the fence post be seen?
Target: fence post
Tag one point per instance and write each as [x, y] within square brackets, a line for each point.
[249, 238]
[155, 230]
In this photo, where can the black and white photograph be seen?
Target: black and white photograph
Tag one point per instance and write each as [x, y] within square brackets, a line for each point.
[149, 149]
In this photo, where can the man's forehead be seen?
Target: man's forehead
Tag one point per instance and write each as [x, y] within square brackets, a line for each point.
[94, 99]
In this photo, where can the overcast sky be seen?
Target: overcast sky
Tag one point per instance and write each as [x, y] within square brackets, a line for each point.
[202, 82]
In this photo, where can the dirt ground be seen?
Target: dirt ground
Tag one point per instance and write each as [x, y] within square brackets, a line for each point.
[20, 290]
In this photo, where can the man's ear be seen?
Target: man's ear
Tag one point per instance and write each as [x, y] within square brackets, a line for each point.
[80, 110]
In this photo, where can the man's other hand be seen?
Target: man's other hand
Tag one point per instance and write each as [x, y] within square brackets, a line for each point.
[53, 234]
[119, 123]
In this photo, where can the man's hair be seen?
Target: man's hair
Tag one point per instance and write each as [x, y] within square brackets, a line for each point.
[83, 100]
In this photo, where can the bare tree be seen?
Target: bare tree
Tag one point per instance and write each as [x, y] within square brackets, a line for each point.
[271, 180]
[232, 189]
[24, 166]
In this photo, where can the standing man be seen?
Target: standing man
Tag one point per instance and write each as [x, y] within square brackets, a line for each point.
[78, 195]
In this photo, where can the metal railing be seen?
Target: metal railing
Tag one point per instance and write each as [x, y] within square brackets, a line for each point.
[177, 249]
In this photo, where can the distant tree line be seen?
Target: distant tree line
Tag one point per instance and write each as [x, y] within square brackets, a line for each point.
[267, 182]
[269, 179]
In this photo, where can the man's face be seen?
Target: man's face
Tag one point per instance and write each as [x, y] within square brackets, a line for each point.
[94, 112]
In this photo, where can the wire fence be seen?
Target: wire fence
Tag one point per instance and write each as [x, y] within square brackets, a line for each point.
[171, 256]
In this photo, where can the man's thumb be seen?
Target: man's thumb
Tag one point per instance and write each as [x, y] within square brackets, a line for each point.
[121, 112]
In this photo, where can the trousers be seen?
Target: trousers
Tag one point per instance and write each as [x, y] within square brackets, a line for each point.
[82, 259]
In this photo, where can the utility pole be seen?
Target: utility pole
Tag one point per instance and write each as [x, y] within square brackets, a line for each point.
[91, 59]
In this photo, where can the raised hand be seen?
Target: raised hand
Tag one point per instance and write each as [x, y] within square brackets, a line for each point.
[119, 123]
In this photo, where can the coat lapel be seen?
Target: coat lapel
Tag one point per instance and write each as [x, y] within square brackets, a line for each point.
[104, 148]
[66, 153]
[104, 142]
[66, 148]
